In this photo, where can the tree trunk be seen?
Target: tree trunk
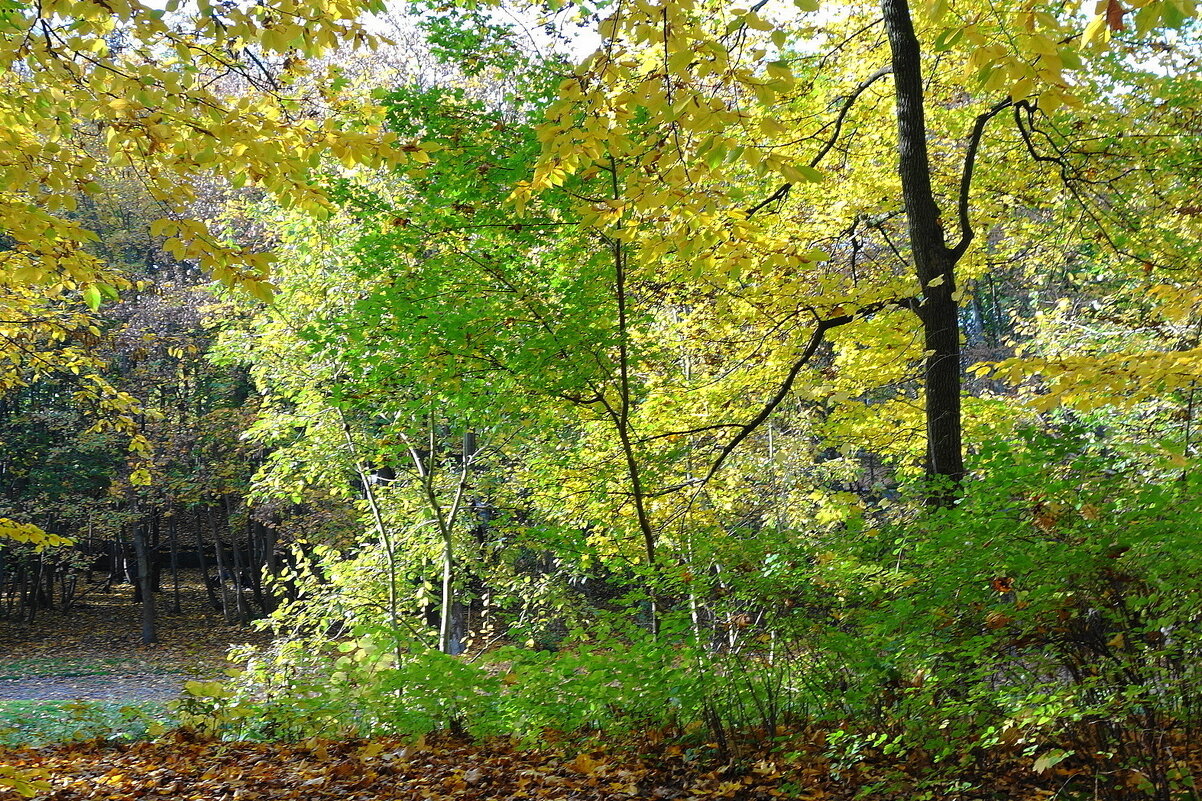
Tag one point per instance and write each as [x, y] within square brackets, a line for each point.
[237, 568]
[934, 262]
[239, 580]
[267, 599]
[222, 571]
[204, 565]
[46, 589]
[145, 582]
[173, 535]
[446, 636]
[117, 564]
[153, 540]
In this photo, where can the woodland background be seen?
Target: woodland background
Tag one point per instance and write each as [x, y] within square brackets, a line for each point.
[811, 384]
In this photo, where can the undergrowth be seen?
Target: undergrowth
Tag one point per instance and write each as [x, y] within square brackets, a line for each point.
[35, 723]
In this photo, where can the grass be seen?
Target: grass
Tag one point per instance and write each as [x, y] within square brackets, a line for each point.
[95, 650]
[36, 723]
[73, 667]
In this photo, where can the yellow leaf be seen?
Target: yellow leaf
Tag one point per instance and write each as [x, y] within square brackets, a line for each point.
[780, 69]
[27, 532]
[1021, 89]
[261, 290]
[161, 227]
[1096, 29]
[586, 764]
[372, 749]
[757, 23]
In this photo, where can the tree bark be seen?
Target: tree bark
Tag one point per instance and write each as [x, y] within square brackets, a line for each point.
[256, 561]
[204, 565]
[934, 262]
[238, 567]
[153, 543]
[223, 572]
[270, 601]
[173, 534]
[145, 582]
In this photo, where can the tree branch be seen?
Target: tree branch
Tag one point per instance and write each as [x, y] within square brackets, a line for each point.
[786, 386]
[848, 102]
[688, 432]
[970, 162]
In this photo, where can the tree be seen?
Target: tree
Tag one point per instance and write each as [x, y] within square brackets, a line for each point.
[647, 257]
[692, 104]
[170, 99]
[175, 96]
[705, 305]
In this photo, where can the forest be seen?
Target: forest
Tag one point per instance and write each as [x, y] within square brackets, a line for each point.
[614, 399]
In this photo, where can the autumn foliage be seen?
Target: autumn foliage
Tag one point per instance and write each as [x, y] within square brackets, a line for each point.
[791, 400]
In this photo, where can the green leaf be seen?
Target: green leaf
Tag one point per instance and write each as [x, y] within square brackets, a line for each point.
[1069, 58]
[801, 173]
[1173, 14]
[947, 39]
[1051, 759]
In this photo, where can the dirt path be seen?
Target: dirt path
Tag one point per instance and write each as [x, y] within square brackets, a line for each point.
[125, 688]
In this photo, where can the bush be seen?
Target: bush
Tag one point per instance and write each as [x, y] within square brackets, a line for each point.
[1056, 608]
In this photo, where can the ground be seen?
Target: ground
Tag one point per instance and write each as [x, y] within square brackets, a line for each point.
[380, 770]
[73, 674]
[70, 681]
[79, 675]
[96, 647]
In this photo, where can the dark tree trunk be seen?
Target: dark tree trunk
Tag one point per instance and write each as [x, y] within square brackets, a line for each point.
[117, 564]
[223, 572]
[29, 590]
[173, 536]
[46, 592]
[204, 566]
[934, 262]
[132, 577]
[240, 580]
[238, 567]
[257, 547]
[153, 541]
[145, 582]
[270, 567]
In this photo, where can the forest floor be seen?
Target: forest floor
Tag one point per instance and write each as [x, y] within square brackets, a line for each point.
[68, 681]
[179, 766]
[69, 676]
[95, 652]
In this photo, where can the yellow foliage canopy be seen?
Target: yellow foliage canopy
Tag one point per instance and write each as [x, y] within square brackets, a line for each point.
[176, 96]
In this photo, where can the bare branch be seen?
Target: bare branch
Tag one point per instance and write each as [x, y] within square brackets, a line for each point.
[688, 432]
[970, 162]
[786, 386]
[848, 102]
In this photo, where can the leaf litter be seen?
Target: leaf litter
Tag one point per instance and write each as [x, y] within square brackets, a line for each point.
[185, 767]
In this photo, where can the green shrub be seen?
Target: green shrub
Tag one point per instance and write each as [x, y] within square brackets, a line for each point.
[1057, 606]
